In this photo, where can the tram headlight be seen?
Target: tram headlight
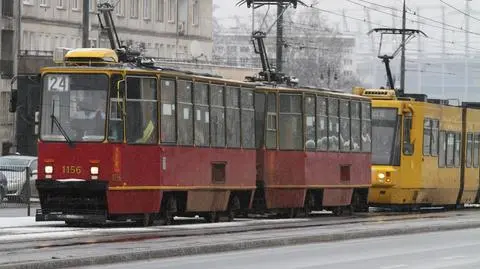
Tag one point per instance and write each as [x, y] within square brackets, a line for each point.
[381, 175]
[48, 169]
[94, 170]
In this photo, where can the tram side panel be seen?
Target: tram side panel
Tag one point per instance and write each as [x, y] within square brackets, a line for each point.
[323, 171]
[215, 161]
[470, 151]
[444, 189]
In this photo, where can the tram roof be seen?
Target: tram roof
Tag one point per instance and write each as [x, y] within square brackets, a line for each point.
[171, 72]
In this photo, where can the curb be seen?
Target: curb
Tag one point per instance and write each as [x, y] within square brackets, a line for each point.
[233, 246]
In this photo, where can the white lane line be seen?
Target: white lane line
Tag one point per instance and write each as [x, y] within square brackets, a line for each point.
[394, 266]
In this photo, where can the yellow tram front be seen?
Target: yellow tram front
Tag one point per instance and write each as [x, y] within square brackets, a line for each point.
[410, 144]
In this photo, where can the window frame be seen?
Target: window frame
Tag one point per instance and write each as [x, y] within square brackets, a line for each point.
[306, 114]
[181, 103]
[216, 144]
[458, 149]
[250, 108]
[205, 132]
[355, 116]
[427, 137]
[442, 149]
[476, 148]
[345, 118]
[365, 107]
[322, 115]
[469, 150]
[331, 115]
[155, 101]
[161, 109]
[435, 124]
[274, 116]
[291, 114]
[234, 110]
[121, 100]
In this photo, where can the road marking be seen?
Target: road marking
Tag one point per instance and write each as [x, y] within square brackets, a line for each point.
[394, 266]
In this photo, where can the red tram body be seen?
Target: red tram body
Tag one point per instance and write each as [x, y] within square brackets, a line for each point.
[174, 143]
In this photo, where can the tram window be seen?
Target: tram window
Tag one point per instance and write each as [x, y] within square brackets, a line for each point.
[427, 133]
[217, 110]
[233, 117]
[355, 121]
[141, 110]
[366, 115]
[202, 115]
[476, 144]
[458, 144]
[247, 118]
[184, 113]
[116, 119]
[167, 116]
[333, 125]
[468, 159]
[442, 149]
[450, 149]
[271, 121]
[309, 112]
[322, 123]
[345, 125]
[290, 123]
[408, 146]
[434, 138]
[260, 122]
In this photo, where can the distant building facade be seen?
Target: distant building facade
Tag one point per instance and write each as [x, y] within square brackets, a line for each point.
[235, 48]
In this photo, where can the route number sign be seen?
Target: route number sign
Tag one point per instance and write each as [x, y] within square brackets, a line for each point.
[58, 83]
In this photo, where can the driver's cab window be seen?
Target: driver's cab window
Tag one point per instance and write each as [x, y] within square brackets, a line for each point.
[116, 109]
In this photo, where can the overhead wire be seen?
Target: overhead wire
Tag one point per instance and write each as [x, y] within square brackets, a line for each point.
[464, 13]
[451, 43]
[415, 21]
[453, 28]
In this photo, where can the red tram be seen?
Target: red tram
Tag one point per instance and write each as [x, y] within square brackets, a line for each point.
[130, 141]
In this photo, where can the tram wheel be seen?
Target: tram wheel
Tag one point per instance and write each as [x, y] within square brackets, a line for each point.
[212, 217]
[309, 204]
[337, 211]
[170, 210]
[147, 220]
[233, 206]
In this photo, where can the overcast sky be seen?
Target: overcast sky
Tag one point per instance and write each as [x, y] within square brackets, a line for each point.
[430, 22]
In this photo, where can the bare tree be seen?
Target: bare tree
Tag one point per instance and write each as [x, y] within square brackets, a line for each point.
[316, 53]
[313, 52]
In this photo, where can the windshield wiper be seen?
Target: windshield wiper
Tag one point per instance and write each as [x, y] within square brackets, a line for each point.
[59, 126]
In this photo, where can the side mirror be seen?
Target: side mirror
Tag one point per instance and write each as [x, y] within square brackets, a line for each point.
[37, 120]
[34, 172]
[13, 101]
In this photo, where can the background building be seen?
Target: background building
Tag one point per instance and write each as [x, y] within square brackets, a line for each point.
[174, 29]
[320, 59]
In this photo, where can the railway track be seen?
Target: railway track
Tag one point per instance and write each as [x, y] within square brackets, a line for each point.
[55, 235]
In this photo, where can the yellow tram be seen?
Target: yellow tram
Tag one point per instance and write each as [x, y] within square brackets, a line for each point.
[425, 151]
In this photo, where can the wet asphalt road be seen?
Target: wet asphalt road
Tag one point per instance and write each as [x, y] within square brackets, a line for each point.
[450, 249]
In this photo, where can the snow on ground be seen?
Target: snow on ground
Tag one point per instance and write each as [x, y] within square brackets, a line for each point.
[13, 222]
[40, 235]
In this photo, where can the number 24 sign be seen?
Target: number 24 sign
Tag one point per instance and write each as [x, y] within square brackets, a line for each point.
[58, 83]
